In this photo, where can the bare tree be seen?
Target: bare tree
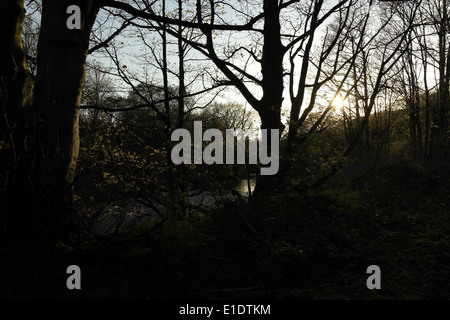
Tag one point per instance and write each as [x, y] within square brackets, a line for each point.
[287, 49]
[50, 142]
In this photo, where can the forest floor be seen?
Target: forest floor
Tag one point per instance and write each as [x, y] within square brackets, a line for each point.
[313, 245]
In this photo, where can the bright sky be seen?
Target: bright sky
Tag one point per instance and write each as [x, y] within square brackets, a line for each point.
[130, 47]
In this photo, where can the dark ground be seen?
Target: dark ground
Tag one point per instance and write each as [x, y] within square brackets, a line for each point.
[314, 245]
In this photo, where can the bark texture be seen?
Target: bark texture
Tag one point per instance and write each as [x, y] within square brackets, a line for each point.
[57, 93]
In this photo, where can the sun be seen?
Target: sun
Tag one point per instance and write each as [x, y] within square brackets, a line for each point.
[338, 102]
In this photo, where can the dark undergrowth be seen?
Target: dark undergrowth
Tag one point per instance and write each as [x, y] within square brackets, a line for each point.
[314, 245]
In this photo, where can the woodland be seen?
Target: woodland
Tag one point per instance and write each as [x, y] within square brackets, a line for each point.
[357, 89]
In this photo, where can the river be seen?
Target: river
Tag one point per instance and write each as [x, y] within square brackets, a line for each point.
[127, 212]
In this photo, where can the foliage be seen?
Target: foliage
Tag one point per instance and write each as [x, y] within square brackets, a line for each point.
[315, 245]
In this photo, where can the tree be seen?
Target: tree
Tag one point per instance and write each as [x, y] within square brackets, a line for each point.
[284, 38]
[56, 98]
[44, 178]
[423, 75]
[15, 95]
[298, 55]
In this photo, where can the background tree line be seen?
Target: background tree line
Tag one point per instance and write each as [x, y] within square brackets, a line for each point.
[288, 61]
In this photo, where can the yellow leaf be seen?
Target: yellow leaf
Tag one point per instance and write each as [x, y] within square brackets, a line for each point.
[3, 145]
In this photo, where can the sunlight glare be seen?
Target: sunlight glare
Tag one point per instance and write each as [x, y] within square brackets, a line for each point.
[338, 103]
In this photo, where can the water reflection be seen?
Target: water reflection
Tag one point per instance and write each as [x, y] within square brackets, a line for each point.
[127, 212]
[243, 185]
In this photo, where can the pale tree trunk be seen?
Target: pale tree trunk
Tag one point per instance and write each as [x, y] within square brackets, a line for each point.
[57, 94]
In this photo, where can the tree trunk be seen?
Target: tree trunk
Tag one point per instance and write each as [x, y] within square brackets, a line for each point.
[15, 93]
[272, 70]
[57, 94]
[440, 114]
[16, 83]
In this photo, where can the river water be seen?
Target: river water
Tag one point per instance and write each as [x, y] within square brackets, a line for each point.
[127, 212]
[242, 187]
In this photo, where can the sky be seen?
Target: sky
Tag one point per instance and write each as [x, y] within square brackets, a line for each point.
[139, 61]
